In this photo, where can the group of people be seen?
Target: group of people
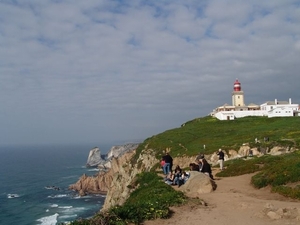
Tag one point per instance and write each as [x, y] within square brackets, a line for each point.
[176, 177]
[179, 176]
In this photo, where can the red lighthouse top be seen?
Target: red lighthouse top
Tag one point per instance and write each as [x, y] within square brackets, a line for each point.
[237, 85]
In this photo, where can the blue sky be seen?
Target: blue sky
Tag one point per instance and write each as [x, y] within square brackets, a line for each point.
[74, 71]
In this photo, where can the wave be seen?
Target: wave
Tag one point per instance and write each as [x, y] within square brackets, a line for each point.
[69, 177]
[73, 210]
[52, 188]
[58, 196]
[64, 217]
[13, 196]
[65, 207]
[48, 220]
[95, 169]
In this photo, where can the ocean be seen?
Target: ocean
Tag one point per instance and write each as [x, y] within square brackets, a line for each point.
[34, 184]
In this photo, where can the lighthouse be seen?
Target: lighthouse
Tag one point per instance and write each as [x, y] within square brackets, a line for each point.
[237, 95]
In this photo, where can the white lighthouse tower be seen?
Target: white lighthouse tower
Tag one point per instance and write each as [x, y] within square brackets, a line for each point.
[237, 95]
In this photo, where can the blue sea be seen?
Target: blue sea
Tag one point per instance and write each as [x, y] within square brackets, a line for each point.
[34, 184]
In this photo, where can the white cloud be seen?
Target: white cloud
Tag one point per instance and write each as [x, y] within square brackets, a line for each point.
[70, 67]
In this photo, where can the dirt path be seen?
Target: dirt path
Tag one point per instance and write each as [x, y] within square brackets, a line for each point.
[235, 201]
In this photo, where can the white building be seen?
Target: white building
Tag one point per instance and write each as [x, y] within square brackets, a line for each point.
[238, 108]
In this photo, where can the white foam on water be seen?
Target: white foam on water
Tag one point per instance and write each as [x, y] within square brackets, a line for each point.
[93, 169]
[73, 210]
[58, 196]
[98, 195]
[54, 206]
[65, 207]
[77, 197]
[49, 220]
[69, 177]
[82, 197]
[13, 196]
[64, 217]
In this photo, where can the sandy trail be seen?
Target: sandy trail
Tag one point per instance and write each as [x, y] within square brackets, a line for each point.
[235, 201]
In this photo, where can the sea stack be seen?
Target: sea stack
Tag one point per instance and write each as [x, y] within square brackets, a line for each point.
[94, 158]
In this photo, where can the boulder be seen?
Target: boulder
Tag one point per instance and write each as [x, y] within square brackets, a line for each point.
[198, 183]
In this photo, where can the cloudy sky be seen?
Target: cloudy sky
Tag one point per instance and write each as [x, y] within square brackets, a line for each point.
[95, 71]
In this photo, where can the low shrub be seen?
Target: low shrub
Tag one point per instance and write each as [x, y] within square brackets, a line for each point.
[150, 200]
[238, 167]
[288, 191]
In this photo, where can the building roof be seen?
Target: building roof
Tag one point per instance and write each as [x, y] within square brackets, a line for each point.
[252, 104]
[278, 103]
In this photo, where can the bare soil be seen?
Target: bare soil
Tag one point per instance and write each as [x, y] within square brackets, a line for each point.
[235, 201]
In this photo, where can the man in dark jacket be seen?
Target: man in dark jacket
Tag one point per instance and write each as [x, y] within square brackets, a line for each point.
[168, 163]
[221, 158]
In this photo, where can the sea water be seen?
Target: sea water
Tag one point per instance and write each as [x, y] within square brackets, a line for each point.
[34, 184]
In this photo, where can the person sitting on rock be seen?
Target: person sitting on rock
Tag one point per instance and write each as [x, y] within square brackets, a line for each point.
[178, 176]
[185, 176]
[206, 168]
[194, 167]
[170, 178]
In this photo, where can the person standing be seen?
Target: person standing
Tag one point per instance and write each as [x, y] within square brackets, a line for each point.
[220, 153]
[168, 163]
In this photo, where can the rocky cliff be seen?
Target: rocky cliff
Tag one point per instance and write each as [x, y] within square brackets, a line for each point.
[118, 181]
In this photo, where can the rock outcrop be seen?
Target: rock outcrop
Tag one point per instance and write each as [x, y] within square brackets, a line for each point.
[94, 158]
[98, 184]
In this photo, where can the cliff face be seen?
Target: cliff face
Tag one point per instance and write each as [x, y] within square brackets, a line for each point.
[117, 181]
[114, 182]
[124, 174]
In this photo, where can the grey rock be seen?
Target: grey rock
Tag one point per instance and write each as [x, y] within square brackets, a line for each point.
[94, 158]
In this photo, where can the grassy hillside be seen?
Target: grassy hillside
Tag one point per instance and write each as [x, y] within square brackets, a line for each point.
[153, 197]
[214, 134]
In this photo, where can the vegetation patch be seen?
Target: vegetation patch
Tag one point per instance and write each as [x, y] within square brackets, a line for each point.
[150, 200]
[281, 172]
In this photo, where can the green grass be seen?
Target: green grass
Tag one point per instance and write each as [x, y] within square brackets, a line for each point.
[189, 138]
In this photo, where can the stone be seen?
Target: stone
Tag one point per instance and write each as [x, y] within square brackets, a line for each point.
[198, 183]
[273, 215]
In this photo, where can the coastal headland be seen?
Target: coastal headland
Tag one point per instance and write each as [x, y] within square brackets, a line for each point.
[234, 200]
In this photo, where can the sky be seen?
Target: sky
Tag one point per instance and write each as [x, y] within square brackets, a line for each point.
[98, 71]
